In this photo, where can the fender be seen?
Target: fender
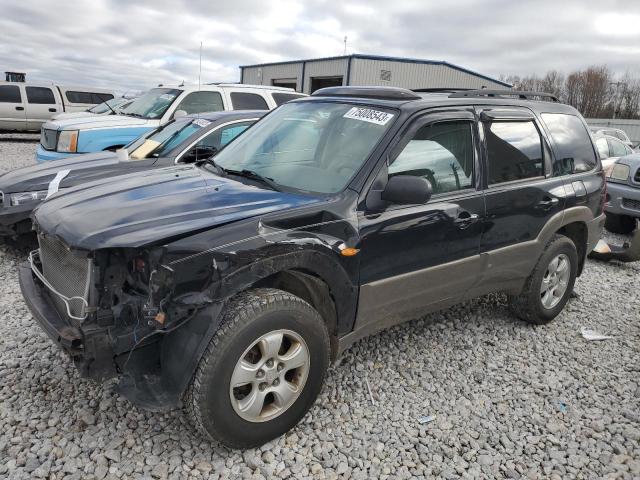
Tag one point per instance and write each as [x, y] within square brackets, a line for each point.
[104, 138]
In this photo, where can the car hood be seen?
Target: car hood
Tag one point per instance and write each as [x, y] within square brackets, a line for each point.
[153, 207]
[82, 168]
[74, 115]
[99, 121]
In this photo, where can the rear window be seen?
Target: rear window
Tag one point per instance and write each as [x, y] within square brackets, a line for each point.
[281, 98]
[40, 95]
[74, 96]
[248, 101]
[572, 144]
[10, 94]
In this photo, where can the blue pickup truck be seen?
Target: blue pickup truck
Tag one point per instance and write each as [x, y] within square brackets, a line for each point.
[68, 137]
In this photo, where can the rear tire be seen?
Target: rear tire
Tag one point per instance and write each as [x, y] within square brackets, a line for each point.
[622, 224]
[547, 289]
[274, 347]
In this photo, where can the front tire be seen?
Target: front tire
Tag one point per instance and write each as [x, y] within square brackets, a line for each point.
[547, 289]
[262, 370]
[621, 224]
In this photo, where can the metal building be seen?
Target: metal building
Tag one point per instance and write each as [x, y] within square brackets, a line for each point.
[309, 75]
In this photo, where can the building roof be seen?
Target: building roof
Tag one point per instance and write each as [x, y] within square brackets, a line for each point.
[383, 58]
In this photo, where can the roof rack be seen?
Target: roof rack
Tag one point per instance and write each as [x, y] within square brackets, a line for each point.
[440, 90]
[540, 96]
[380, 93]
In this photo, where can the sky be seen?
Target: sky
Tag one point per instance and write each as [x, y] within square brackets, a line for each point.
[134, 45]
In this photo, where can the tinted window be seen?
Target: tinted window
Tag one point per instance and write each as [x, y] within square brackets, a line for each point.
[603, 147]
[248, 101]
[514, 150]
[10, 94]
[87, 97]
[40, 95]
[618, 149]
[281, 98]
[199, 102]
[572, 142]
[441, 153]
[220, 137]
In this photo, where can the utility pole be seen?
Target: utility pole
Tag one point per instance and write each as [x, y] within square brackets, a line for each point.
[616, 95]
[200, 70]
[345, 44]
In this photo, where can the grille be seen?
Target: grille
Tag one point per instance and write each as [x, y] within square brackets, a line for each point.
[48, 139]
[636, 177]
[634, 204]
[67, 273]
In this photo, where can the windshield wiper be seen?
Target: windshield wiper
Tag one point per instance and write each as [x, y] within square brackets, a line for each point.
[253, 175]
[137, 115]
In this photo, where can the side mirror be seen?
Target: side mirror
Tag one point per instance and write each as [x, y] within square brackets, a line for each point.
[179, 113]
[199, 152]
[407, 189]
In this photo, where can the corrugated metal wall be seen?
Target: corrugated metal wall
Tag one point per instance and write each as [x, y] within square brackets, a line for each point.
[368, 72]
[414, 75]
[630, 127]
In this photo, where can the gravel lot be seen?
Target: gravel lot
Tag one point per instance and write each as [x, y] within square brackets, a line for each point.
[509, 400]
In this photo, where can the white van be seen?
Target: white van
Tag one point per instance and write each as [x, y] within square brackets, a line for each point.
[25, 107]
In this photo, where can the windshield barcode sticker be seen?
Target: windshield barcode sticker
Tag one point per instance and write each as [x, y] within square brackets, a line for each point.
[369, 115]
[201, 122]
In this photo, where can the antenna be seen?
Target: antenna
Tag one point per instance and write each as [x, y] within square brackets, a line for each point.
[345, 44]
[200, 71]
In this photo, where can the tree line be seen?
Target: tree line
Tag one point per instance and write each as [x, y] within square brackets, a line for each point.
[596, 92]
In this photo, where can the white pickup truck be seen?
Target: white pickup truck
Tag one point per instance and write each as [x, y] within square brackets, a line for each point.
[24, 107]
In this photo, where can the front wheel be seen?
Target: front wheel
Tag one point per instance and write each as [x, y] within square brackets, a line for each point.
[547, 289]
[621, 224]
[261, 371]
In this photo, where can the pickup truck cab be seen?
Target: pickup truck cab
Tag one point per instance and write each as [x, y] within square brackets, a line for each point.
[24, 107]
[158, 106]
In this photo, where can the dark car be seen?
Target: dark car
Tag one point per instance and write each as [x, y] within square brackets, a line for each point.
[228, 287]
[185, 140]
[623, 194]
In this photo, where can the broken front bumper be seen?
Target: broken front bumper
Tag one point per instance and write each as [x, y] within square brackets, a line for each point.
[43, 310]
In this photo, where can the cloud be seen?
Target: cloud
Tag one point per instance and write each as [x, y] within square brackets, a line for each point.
[135, 45]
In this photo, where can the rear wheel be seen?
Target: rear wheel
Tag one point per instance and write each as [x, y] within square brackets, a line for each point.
[547, 289]
[622, 224]
[262, 370]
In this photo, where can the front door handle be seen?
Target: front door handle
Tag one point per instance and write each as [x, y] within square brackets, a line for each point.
[466, 219]
[548, 203]
[19, 108]
[52, 110]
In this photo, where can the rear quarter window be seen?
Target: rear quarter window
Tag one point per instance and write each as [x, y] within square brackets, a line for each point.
[281, 98]
[571, 142]
[248, 101]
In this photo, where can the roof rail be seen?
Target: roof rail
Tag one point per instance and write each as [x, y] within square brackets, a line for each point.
[380, 93]
[440, 90]
[540, 96]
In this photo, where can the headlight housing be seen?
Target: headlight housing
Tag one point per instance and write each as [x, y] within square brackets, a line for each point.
[68, 141]
[24, 198]
[619, 171]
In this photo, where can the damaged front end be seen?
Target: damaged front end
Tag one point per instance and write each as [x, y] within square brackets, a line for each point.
[111, 311]
[628, 252]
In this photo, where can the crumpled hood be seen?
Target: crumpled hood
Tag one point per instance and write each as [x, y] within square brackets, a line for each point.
[99, 121]
[82, 168]
[152, 206]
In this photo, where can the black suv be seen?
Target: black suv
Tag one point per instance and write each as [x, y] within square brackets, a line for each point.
[228, 287]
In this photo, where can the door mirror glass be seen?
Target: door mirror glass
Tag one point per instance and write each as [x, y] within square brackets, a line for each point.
[199, 152]
[407, 189]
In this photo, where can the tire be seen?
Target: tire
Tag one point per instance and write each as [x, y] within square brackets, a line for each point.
[622, 224]
[269, 314]
[530, 305]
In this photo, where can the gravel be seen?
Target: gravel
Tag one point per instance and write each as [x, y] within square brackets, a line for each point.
[510, 400]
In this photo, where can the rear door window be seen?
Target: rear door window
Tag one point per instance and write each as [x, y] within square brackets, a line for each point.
[248, 101]
[514, 151]
[10, 94]
[572, 144]
[40, 96]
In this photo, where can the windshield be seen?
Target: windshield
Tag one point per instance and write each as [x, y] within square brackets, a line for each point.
[152, 104]
[164, 139]
[103, 107]
[309, 146]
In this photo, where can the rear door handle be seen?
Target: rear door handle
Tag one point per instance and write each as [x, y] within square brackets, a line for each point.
[465, 220]
[19, 108]
[52, 110]
[547, 203]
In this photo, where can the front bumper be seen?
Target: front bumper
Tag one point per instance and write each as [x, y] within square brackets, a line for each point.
[43, 155]
[16, 221]
[55, 326]
[618, 193]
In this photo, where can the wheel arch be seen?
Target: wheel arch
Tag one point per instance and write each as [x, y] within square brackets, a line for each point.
[577, 232]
